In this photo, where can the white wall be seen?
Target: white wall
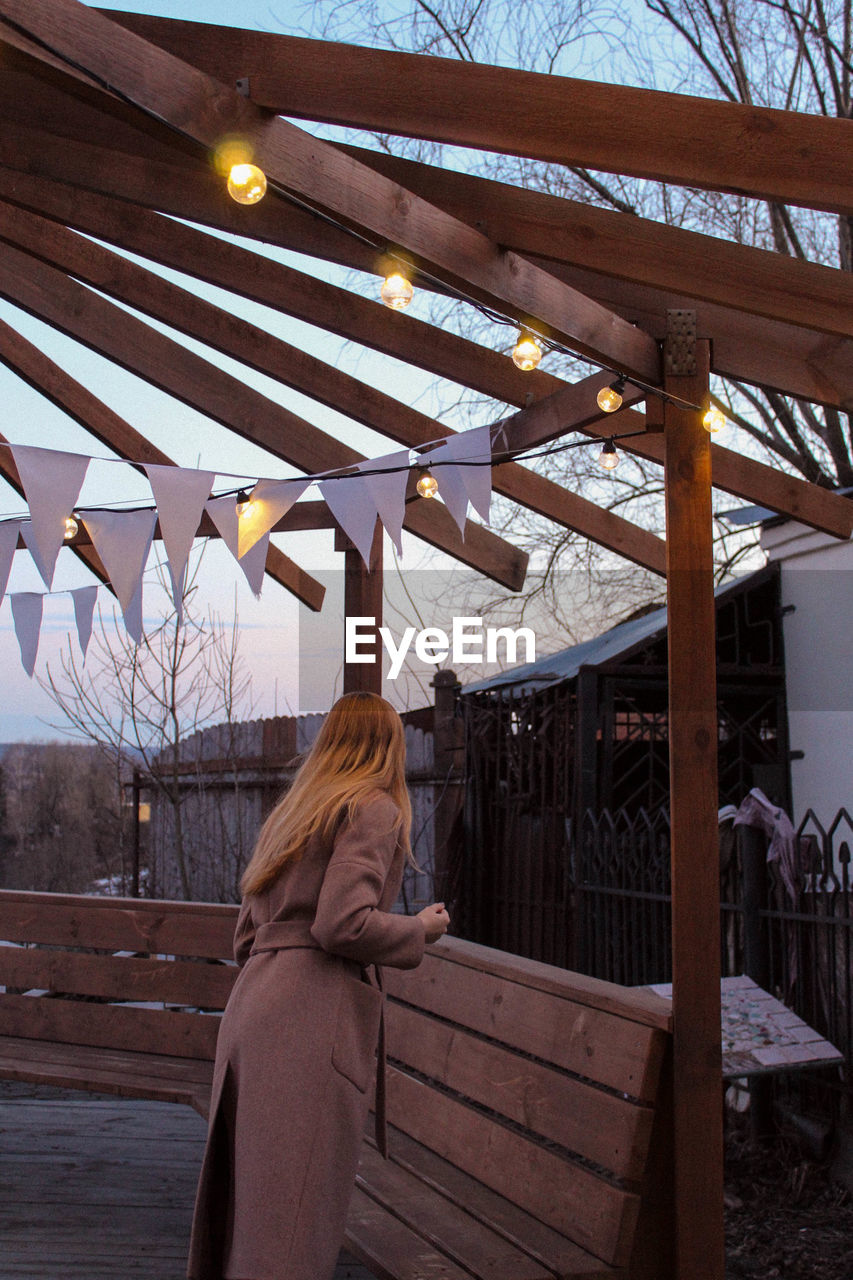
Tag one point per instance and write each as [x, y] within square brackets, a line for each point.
[817, 579]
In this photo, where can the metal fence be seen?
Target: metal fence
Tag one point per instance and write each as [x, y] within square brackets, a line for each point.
[594, 895]
[792, 933]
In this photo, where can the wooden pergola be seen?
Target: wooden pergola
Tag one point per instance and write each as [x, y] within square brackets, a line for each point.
[110, 120]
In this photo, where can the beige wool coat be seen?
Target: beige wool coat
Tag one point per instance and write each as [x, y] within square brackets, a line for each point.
[295, 1057]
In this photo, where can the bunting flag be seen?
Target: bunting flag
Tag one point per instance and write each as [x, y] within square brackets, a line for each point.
[268, 502]
[84, 610]
[52, 482]
[28, 534]
[180, 495]
[223, 512]
[388, 492]
[460, 485]
[123, 539]
[9, 531]
[253, 563]
[350, 501]
[27, 609]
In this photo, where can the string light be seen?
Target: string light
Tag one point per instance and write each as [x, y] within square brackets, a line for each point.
[427, 485]
[71, 528]
[247, 184]
[527, 352]
[714, 420]
[397, 291]
[245, 505]
[609, 399]
[608, 458]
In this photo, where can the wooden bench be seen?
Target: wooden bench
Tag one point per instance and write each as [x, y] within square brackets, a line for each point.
[528, 1107]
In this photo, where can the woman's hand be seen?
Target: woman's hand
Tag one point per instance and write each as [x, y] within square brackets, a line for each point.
[436, 921]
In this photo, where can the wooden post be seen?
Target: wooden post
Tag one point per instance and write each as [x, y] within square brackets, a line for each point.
[449, 786]
[137, 833]
[363, 599]
[697, 1068]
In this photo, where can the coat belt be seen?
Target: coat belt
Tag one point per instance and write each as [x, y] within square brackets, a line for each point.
[284, 935]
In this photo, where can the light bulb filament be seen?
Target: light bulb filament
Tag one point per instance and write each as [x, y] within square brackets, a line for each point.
[397, 291]
[247, 184]
[527, 352]
[427, 485]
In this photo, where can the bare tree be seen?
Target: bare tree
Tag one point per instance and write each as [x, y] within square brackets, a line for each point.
[62, 825]
[790, 54]
[138, 704]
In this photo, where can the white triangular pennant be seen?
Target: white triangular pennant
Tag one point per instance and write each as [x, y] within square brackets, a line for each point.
[351, 503]
[388, 492]
[51, 481]
[180, 494]
[223, 513]
[253, 563]
[268, 502]
[27, 609]
[123, 539]
[9, 531]
[451, 487]
[84, 609]
[28, 534]
[463, 484]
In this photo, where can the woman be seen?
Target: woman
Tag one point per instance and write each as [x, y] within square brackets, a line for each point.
[295, 1054]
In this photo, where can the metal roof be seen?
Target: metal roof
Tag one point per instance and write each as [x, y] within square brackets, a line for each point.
[618, 642]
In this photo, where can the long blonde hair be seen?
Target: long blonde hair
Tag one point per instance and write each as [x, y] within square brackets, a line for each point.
[361, 749]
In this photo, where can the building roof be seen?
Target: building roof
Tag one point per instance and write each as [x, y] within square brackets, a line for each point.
[619, 642]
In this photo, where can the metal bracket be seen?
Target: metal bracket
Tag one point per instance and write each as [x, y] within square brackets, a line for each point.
[679, 348]
[243, 86]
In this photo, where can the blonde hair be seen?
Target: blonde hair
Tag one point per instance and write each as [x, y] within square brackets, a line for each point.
[359, 751]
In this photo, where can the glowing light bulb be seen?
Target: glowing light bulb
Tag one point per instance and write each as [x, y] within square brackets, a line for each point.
[608, 458]
[609, 399]
[527, 352]
[245, 505]
[427, 485]
[247, 184]
[71, 528]
[714, 420]
[396, 291]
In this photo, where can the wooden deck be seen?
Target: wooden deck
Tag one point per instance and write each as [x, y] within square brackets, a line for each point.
[99, 1188]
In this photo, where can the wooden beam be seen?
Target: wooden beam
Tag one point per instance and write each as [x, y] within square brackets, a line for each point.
[400, 335]
[333, 183]
[788, 357]
[553, 229]
[693, 744]
[795, 361]
[363, 599]
[57, 386]
[88, 555]
[48, 294]
[757, 151]
[255, 347]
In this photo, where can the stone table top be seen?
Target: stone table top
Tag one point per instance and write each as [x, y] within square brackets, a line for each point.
[760, 1034]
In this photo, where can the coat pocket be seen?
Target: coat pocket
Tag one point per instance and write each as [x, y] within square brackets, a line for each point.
[357, 1032]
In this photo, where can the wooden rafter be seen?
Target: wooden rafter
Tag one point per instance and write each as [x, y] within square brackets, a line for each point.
[207, 111]
[633, 249]
[97, 418]
[82, 314]
[758, 151]
[404, 337]
[791, 358]
[257, 348]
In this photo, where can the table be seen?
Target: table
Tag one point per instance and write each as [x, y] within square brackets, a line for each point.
[760, 1034]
